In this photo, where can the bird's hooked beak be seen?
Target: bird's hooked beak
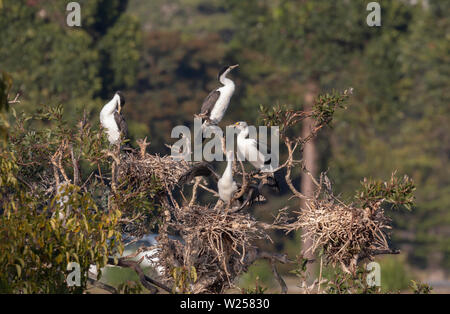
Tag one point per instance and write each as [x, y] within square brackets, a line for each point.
[233, 66]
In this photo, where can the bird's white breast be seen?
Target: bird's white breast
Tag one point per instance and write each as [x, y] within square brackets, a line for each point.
[109, 123]
[249, 150]
[226, 187]
[222, 103]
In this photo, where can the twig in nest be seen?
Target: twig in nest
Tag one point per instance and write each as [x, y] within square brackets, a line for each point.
[209, 190]
[143, 147]
[194, 191]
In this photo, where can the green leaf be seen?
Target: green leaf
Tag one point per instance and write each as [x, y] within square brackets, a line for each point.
[19, 270]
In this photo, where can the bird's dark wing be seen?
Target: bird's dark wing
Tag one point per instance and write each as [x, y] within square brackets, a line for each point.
[271, 182]
[263, 190]
[209, 102]
[122, 124]
[202, 169]
[252, 195]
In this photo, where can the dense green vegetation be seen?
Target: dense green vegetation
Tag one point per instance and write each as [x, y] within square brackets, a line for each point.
[165, 56]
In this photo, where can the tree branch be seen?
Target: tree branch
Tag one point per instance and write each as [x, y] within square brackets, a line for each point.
[146, 281]
[101, 285]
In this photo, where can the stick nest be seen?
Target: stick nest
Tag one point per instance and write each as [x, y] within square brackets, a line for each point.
[346, 234]
[215, 242]
[144, 169]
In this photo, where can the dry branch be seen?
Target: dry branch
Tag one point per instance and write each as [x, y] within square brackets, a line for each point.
[145, 280]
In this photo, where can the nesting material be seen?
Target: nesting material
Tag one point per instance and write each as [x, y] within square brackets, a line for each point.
[148, 167]
[346, 234]
[215, 242]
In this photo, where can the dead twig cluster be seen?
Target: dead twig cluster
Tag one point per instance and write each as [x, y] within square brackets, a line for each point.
[217, 243]
[345, 233]
[146, 168]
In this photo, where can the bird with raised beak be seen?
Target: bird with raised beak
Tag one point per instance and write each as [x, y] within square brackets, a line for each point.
[112, 119]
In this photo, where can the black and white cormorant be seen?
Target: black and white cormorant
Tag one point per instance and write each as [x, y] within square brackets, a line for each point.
[248, 148]
[216, 103]
[112, 119]
[226, 184]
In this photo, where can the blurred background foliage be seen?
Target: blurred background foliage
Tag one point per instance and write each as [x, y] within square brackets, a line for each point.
[165, 56]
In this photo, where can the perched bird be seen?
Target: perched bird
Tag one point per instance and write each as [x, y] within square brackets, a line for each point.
[216, 103]
[112, 120]
[226, 185]
[133, 250]
[248, 148]
[147, 258]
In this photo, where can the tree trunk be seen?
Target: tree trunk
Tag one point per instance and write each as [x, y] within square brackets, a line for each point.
[310, 160]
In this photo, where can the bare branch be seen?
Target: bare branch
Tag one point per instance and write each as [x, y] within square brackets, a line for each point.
[103, 286]
[146, 281]
[244, 184]
[15, 100]
[289, 169]
[76, 171]
[143, 147]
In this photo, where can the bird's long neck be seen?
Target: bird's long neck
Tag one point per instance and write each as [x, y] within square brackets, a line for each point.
[228, 173]
[243, 133]
[111, 106]
[225, 80]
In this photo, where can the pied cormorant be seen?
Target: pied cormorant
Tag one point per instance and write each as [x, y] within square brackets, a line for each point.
[248, 148]
[216, 103]
[226, 185]
[112, 120]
